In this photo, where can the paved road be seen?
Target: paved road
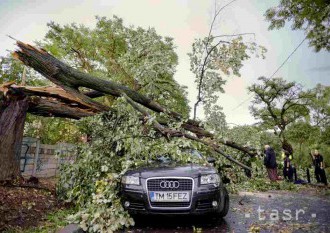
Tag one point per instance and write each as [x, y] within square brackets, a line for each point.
[275, 211]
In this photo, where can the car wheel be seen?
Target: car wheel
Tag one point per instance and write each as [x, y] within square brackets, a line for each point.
[225, 209]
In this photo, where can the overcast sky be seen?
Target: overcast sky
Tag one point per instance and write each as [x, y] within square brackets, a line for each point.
[183, 20]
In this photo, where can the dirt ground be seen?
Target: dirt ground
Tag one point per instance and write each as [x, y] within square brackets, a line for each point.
[277, 209]
[24, 204]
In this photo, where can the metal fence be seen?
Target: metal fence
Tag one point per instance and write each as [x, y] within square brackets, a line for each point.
[42, 160]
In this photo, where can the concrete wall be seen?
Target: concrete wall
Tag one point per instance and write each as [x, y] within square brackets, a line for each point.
[41, 160]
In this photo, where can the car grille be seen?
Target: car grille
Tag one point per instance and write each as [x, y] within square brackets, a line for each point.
[204, 204]
[136, 205]
[184, 184]
[170, 204]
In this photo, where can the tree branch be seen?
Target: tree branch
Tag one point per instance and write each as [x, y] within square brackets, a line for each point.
[233, 35]
[167, 132]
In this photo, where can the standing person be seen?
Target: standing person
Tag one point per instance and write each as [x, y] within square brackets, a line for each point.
[270, 163]
[319, 168]
[292, 164]
[287, 168]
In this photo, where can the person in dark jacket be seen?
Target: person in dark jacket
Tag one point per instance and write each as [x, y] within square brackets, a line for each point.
[287, 168]
[319, 168]
[270, 163]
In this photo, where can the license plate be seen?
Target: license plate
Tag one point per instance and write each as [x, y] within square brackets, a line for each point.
[175, 196]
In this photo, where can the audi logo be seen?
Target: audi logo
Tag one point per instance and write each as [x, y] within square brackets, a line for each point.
[169, 184]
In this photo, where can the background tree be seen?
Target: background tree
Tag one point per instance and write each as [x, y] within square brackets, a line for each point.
[325, 136]
[320, 106]
[278, 103]
[213, 58]
[13, 70]
[312, 16]
[215, 120]
[51, 130]
[301, 132]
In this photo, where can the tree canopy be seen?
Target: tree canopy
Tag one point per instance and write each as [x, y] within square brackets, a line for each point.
[136, 57]
[320, 107]
[278, 103]
[312, 16]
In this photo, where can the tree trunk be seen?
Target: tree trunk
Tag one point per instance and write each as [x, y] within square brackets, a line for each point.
[12, 118]
[287, 146]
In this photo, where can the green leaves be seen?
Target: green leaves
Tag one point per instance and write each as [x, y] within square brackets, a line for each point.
[13, 70]
[308, 15]
[118, 142]
[277, 103]
[212, 60]
[320, 106]
[300, 132]
[136, 57]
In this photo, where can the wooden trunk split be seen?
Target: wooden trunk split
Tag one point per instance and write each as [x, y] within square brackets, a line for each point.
[12, 118]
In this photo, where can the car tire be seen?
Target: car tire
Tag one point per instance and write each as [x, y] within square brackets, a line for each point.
[225, 209]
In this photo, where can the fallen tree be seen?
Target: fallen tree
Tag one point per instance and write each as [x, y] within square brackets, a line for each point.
[67, 101]
[71, 79]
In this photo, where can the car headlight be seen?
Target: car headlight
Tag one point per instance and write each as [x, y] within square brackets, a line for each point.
[134, 180]
[210, 179]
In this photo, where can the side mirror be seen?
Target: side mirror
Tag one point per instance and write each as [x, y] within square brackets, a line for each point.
[211, 160]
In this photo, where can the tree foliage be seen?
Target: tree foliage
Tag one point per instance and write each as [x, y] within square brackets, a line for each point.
[13, 70]
[301, 132]
[278, 103]
[312, 16]
[51, 130]
[215, 57]
[136, 57]
[118, 142]
[305, 138]
[320, 106]
[299, 118]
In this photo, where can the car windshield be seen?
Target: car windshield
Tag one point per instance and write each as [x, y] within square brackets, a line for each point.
[195, 155]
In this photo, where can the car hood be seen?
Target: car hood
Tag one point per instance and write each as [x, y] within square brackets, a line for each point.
[157, 170]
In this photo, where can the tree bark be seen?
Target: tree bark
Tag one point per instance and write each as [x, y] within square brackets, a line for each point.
[53, 108]
[59, 94]
[12, 119]
[52, 101]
